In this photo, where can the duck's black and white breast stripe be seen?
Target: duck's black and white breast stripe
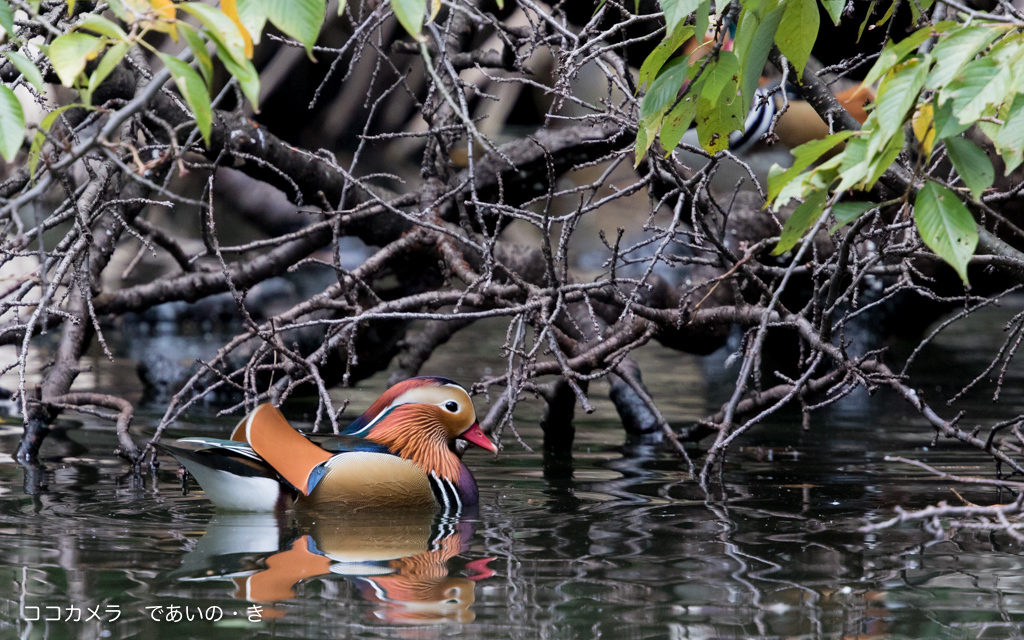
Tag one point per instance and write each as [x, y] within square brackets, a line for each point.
[446, 494]
[443, 528]
[762, 110]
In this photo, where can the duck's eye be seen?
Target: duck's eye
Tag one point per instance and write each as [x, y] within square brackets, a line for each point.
[452, 406]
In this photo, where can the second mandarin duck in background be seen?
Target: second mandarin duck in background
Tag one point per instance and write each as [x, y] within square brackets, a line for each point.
[800, 123]
[398, 456]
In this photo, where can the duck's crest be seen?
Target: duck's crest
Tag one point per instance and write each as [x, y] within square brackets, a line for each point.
[364, 423]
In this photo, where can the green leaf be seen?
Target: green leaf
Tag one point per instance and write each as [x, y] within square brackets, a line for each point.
[972, 164]
[988, 128]
[746, 27]
[880, 162]
[198, 47]
[924, 5]
[719, 113]
[946, 226]
[888, 15]
[300, 19]
[795, 189]
[955, 50]
[990, 99]
[118, 9]
[245, 73]
[1009, 139]
[102, 26]
[834, 9]
[701, 20]
[27, 69]
[110, 60]
[946, 122]
[867, 19]
[1009, 51]
[7, 18]
[804, 156]
[12, 124]
[677, 122]
[854, 166]
[753, 50]
[644, 140]
[897, 95]
[982, 83]
[341, 6]
[676, 11]
[220, 28]
[895, 53]
[797, 32]
[410, 14]
[657, 58]
[720, 74]
[847, 212]
[803, 218]
[659, 98]
[40, 138]
[665, 88]
[69, 53]
[193, 89]
[253, 17]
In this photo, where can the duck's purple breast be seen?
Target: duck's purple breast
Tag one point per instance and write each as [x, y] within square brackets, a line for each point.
[467, 487]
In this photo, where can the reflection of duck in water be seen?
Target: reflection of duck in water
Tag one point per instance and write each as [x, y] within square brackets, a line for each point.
[397, 455]
[418, 588]
[402, 565]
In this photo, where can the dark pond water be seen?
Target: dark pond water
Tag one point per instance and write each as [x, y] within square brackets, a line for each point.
[615, 542]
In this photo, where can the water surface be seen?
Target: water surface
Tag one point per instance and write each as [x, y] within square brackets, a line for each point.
[614, 541]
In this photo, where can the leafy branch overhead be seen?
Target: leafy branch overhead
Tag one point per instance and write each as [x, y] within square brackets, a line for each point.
[467, 163]
[934, 87]
[229, 31]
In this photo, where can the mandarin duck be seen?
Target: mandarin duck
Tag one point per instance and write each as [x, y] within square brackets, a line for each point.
[397, 455]
[800, 123]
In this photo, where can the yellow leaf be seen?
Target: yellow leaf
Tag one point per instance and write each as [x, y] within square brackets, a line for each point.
[435, 7]
[230, 9]
[165, 14]
[164, 9]
[924, 127]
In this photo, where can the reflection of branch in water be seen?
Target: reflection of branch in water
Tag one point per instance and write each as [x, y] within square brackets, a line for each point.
[784, 584]
[997, 517]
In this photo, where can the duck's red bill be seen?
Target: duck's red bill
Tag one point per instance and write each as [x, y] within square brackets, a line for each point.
[478, 569]
[477, 437]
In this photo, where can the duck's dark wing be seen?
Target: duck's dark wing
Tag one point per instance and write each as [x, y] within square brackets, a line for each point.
[345, 444]
[233, 476]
